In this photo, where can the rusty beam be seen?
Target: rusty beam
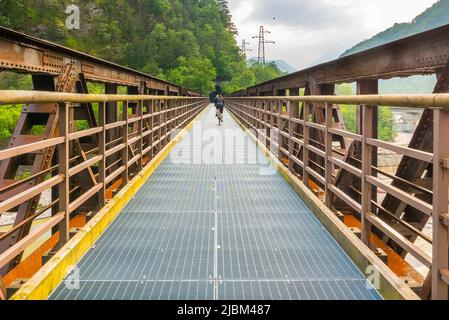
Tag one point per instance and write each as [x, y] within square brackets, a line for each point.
[23, 53]
[421, 54]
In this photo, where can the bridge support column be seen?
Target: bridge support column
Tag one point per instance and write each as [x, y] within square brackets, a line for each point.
[102, 153]
[367, 150]
[328, 152]
[64, 186]
[440, 239]
[367, 125]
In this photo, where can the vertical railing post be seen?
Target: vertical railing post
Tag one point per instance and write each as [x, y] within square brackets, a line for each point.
[367, 132]
[368, 87]
[328, 154]
[140, 131]
[150, 138]
[270, 123]
[259, 117]
[64, 166]
[290, 145]
[102, 153]
[440, 239]
[305, 150]
[280, 139]
[125, 175]
[293, 112]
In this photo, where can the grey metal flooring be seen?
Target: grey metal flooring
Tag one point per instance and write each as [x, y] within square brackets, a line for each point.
[216, 231]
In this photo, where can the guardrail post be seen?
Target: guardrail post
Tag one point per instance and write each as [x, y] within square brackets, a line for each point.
[64, 166]
[102, 153]
[305, 150]
[258, 106]
[112, 116]
[367, 132]
[365, 87]
[328, 151]
[293, 112]
[440, 239]
[151, 126]
[140, 131]
[280, 105]
[125, 175]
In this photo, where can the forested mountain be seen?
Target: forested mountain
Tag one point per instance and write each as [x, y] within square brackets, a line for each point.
[190, 42]
[282, 65]
[434, 17]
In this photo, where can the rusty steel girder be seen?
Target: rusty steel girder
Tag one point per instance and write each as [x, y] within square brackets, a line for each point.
[421, 54]
[25, 54]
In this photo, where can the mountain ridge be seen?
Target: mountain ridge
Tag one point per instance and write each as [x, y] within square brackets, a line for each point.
[282, 65]
[435, 16]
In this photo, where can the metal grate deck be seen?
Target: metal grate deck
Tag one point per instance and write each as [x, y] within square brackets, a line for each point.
[212, 231]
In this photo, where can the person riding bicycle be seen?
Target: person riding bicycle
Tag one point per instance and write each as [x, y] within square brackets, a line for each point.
[219, 105]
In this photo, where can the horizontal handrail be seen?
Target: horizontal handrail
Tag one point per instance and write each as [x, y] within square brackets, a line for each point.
[25, 97]
[396, 100]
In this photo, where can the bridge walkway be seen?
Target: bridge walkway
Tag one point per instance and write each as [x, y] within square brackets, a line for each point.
[199, 230]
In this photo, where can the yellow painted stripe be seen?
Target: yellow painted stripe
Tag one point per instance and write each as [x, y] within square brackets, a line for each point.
[42, 284]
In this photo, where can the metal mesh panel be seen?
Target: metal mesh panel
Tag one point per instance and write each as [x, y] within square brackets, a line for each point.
[216, 231]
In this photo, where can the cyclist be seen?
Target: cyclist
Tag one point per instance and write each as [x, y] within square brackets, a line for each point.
[219, 105]
[214, 94]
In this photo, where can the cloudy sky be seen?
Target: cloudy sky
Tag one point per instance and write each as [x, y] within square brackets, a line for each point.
[311, 31]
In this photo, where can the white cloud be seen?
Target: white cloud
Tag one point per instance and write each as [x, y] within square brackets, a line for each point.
[307, 31]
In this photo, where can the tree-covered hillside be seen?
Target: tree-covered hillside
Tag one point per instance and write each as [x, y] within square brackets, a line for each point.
[434, 17]
[190, 42]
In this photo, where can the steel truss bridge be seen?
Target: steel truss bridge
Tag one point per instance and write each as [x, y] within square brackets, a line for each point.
[115, 205]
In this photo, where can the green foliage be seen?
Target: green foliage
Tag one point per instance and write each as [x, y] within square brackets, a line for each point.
[171, 39]
[386, 130]
[196, 72]
[9, 115]
[15, 81]
[252, 74]
[266, 72]
[244, 77]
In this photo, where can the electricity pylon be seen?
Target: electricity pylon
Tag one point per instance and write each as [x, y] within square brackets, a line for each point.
[243, 48]
[262, 42]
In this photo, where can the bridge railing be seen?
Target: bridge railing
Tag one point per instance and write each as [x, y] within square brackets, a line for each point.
[93, 162]
[287, 127]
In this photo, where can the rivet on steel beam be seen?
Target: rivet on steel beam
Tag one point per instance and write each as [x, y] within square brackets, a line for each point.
[444, 163]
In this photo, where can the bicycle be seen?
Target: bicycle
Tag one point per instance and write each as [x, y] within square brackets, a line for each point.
[219, 115]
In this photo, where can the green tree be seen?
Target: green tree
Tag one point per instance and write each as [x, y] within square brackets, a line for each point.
[265, 72]
[386, 130]
[148, 35]
[196, 73]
